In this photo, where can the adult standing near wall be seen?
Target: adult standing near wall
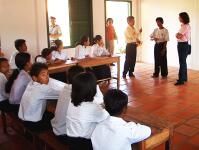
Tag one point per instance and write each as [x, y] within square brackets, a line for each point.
[54, 31]
[183, 37]
[132, 40]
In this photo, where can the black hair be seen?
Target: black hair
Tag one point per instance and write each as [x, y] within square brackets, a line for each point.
[45, 52]
[2, 59]
[160, 19]
[21, 59]
[73, 71]
[97, 38]
[83, 39]
[37, 68]
[83, 88]
[109, 19]
[129, 18]
[115, 101]
[19, 43]
[185, 17]
[58, 43]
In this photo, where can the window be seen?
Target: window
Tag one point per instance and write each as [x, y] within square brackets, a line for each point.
[68, 20]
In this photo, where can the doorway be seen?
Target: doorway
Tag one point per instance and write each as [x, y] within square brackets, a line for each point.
[118, 10]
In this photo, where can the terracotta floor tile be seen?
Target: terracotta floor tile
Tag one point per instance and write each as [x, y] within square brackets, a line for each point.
[194, 140]
[193, 122]
[187, 146]
[187, 130]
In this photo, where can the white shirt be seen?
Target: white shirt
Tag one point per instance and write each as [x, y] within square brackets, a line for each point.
[34, 101]
[59, 121]
[131, 34]
[54, 30]
[99, 51]
[161, 34]
[185, 30]
[82, 120]
[119, 134]
[41, 59]
[18, 87]
[3, 94]
[81, 52]
[59, 55]
[12, 60]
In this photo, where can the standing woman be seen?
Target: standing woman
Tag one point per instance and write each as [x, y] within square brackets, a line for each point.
[183, 37]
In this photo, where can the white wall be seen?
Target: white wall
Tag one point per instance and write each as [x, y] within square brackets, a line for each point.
[27, 19]
[169, 10]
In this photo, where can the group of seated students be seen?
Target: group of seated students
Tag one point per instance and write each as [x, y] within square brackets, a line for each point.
[84, 118]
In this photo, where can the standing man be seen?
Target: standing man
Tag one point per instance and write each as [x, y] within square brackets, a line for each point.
[161, 36]
[132, 40]
[54, 31]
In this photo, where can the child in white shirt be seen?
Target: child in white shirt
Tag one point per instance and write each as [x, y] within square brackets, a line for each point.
[119, 133]
[20, 45]
[59, 121]
[4, 74]
[83, 114]
[81, 50]
[32, 108]
[19, 79]
[98, 50]
[58, 53]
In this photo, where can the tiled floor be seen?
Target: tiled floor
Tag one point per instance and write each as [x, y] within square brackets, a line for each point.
[159, 97]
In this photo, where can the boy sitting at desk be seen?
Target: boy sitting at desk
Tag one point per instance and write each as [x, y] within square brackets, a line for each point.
[119, 133]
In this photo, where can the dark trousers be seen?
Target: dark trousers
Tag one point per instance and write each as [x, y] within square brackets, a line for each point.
[131, 53]
[5, 106]
[160, 58]
[77, 143]
[183, 53]
[102, 72]
[42, 125]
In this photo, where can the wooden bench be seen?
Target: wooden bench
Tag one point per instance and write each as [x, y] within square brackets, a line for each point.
[43, 141]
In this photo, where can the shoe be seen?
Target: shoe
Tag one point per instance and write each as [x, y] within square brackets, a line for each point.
[131, 75]
[164, 77]
[179, 83]
[112, 64]
[183, 81]
[154, 76]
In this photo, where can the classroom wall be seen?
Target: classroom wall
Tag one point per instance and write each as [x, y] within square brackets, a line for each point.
[169, 10]
[27, 19]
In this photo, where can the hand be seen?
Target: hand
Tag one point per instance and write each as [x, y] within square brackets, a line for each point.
[179, 35]
[1, 54]
[140, 30]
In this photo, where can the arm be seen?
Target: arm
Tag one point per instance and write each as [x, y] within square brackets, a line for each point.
[138, 132]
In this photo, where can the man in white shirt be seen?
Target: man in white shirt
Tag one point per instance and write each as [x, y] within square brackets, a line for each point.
[54, 31]
[161, 36]
[20, 45]
[119, 133]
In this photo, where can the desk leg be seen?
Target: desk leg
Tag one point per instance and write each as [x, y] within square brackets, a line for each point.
[169, 143]
[118, 74]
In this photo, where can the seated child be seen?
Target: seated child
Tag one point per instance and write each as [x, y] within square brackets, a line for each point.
[98, 49]
[59, 121]
[20, 45]
[45, 57]
[4, 75]
[58, 53]
[119, 133]
[83, 114]
[81, 50]
[32, 108]
[19, 79]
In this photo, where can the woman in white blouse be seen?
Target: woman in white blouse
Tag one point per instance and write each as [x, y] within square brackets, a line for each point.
[57, 53]
[183, 37]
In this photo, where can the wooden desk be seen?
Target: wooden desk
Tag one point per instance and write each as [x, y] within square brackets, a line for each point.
[162, 130]
[97, 61]
[89, 62]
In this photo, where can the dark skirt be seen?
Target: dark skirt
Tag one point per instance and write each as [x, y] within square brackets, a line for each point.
[102, 72]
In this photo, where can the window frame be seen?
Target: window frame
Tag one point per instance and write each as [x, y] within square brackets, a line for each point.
[47, 23]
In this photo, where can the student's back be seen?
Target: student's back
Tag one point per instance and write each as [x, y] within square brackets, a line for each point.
[119, 133]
